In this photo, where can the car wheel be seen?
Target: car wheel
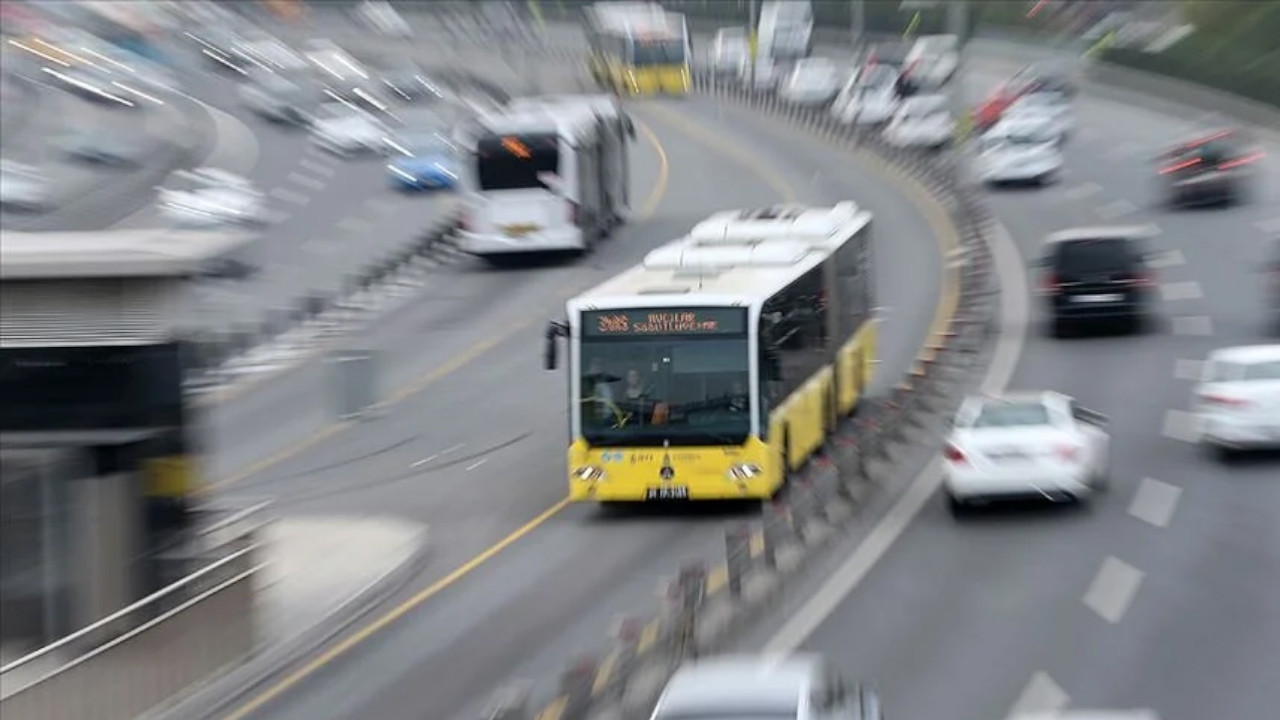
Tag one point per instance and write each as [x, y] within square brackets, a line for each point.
[957, 507]
[1225, 455]
[1102, 481]
[1059, 328]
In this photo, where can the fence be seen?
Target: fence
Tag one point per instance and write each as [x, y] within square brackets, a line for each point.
[148, 652]
[706, 602]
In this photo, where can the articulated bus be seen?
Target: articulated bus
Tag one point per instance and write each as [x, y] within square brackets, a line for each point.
[721, 363]
[638, 49]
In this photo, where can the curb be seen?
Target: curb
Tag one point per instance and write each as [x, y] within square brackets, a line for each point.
[216, 695]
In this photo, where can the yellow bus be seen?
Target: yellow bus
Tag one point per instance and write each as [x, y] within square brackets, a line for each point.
[720, 364]
[638, 49]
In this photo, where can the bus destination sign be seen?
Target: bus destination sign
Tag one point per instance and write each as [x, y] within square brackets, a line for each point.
[664, 321]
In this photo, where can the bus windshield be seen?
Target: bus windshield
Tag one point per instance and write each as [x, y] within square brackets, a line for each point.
[657, 52]
[515, 162]
[646, 382]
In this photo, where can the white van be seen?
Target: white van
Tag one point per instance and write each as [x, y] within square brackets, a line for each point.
[786, 29]
[539, 179]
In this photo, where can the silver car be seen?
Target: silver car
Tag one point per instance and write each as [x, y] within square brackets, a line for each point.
[23, 187]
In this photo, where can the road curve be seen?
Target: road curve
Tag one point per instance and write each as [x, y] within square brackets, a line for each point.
[475, 445]
[1164, 595]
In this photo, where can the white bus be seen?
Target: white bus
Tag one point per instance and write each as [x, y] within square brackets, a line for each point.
[786, 30]
[541, 179]
[720, 364]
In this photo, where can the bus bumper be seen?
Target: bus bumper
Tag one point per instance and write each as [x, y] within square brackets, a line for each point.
[541, 241]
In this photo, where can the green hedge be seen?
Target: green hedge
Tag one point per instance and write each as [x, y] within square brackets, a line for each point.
[1229, 68]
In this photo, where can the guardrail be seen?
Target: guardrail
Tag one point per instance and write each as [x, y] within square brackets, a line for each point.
[706, 603]
[145, 654]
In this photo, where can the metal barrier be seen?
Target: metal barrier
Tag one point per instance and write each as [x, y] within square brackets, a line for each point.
[706, 602]
[143, 655]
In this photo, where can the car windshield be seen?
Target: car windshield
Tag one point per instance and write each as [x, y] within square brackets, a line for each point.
[653, 377]
[1268, 370]
[1008, 415]
[1212, 152]
[1092, 256]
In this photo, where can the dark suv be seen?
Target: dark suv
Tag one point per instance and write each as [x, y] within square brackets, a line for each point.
[1215, 168]
[1097, 275]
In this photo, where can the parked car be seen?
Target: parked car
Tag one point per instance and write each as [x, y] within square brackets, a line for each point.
[1097, 274]
[812, 81]
[1018, 152]
[207, 197]
[923, 121]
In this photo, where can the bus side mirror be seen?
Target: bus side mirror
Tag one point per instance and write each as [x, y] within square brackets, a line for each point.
[555, 331]
[631, 128]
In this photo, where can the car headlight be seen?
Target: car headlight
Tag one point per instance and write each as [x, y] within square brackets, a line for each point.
[588, 473]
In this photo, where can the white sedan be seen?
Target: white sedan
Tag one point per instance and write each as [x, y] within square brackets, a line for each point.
[1018, 152]
[813, 81]
[344, 129]
[1238, 399]
[1025, 445]
[923, 121]
[866, 104]
[1050, 109]
[208, 197]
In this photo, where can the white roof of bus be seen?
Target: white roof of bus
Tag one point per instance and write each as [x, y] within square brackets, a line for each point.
[636, 18]
[605, 104]
[535, 119]
[736, 257]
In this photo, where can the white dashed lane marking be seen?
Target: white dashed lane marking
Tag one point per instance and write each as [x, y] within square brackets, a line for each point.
[1116, 209]
[1165, 260]
[379, 205]
[354, 225]
[1270, 226]
[1188, 369]
[1181, 425]
[1155, 502]
[1080, 192]
[316, 168]
[306, 181]
[1199, 325]
[289, 196]
[1040, 696]
[1113, 589]
[1181, 291]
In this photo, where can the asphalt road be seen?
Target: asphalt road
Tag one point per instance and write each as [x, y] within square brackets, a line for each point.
[478, 451]
[1166, 593]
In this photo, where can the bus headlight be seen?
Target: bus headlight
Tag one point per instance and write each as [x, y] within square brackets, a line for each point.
[745, 472]
[588, 473]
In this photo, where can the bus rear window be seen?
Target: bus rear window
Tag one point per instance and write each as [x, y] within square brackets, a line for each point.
[514, 162]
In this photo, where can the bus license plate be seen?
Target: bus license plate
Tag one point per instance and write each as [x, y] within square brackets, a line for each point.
[672, 492]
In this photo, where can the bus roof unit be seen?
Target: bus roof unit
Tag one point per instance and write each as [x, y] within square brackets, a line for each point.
[736, 257]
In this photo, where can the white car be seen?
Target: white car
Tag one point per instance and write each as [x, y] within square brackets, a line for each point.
[729, 51]
[346, 130]
[733, 687]
[932, 61]
[207, 197]
[278, 98]
[1018, 152]
[1025, 445]
[382, 18]
[870, 103]
[23, 187]
[923, 121]
[766, 77]
[1051, 109]
[812, 81]
[1237, 401]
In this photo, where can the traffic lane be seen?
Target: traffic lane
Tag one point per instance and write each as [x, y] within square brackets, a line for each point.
[489, 401]
[521, 417]
[904, 244]
[462, 311]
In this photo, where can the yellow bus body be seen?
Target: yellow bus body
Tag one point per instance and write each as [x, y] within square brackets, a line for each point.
[804, 419]
[626, 79]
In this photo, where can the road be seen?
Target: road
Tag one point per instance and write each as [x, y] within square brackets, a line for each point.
[1165, 594]
[477, 449]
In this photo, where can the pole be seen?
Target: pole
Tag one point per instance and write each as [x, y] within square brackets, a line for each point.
[753, 40]
[958, 25]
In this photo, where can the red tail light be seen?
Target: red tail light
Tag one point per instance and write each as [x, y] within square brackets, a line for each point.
[1223, 400]
[575, 213]
[1180, 166]
[1067, 453]
[1142, 279]
[1050, 283]
[953, 454]
[1241, 161]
